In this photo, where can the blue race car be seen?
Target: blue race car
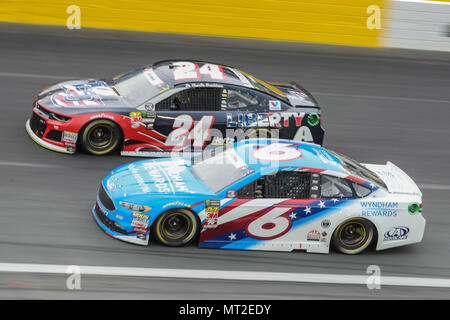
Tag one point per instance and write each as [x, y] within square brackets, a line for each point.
[262, 195]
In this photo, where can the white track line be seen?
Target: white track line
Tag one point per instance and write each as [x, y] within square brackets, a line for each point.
[224, 275]
[32, 75]
[434, 187]
[380, 97]
[26, 164]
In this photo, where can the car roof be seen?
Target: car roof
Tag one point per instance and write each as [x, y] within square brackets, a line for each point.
[292, 155]
[233, 76]
[165, 69]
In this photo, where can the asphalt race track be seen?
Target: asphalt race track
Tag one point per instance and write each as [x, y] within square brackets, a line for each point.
[378, 105]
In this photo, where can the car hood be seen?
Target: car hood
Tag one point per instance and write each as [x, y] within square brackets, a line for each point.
[159, 177]
[81, 96]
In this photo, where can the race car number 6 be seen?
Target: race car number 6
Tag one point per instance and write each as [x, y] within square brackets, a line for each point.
[270, 225]
[277, 152]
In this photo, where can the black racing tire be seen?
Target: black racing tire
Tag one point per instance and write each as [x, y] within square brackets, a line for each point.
[100, 137]
[353, 236]
[176, 227]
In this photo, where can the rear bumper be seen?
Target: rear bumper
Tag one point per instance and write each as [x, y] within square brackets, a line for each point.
[45, 144]
[415, 235]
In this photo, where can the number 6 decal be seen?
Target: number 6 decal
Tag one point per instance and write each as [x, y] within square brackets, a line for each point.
[277, 152]
[270, 225]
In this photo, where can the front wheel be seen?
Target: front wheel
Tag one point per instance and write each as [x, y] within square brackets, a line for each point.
[176, 227]
[100, 137]
[353, 236]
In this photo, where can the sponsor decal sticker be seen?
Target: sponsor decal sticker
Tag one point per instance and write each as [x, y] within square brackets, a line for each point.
[326, 223]
[396, 233]
[140, 220]
[177, 204]
[144, 187]
[149, 107]
[414, 208]
[264, 119]
[78, 95]
[274, 105]
[379, 209]
[297, 94]
[142, 236]
[231, 194]
[167, 176]
[140, 230]
[136, 116]
[212, 213]
[102, 116]
[313, 235]
[69, 137]
[110, 185]
[313, 119]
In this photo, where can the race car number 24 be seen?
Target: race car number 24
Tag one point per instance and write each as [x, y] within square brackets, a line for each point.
[184, 130]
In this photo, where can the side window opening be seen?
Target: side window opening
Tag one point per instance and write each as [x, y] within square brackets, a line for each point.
[194, 99]
[283, 184]
[239, 99]
[335, 187]
[360, 190]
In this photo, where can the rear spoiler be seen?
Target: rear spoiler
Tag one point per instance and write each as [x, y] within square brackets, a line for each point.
[310, 102]
[396, 180]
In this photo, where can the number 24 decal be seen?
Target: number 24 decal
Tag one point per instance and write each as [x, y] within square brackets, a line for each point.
[189, 70]
[186, 129]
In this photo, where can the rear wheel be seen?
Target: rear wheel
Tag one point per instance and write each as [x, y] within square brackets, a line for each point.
[176, 227]
[353, 236]
[100, 137]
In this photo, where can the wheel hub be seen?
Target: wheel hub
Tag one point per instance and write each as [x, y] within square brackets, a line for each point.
[100, 136]
[176, 226]
[353, 233]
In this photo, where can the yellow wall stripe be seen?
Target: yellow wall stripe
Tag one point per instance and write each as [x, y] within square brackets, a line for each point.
[326, 21]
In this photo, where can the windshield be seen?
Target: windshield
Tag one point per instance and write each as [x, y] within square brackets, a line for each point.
[354, 168]
[220, 168]
[138, 86]
[264, 86]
